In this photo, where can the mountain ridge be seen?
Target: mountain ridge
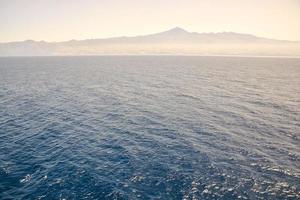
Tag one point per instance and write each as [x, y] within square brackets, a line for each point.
[172, 30]
[173, 41]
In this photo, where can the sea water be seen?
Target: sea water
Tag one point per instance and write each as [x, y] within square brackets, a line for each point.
[149, 127]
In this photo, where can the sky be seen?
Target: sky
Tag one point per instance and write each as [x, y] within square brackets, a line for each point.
[60, 20]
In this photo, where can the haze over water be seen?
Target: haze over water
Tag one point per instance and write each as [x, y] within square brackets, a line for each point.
[149, 127]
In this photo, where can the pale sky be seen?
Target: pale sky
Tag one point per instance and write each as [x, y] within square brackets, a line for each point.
[59, 20]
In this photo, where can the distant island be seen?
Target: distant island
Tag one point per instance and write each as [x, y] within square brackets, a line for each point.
[176, 41]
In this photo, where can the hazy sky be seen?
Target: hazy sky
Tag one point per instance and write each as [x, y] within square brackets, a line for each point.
[58, 20]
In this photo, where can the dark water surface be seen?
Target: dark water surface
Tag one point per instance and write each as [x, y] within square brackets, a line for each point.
[149, 127]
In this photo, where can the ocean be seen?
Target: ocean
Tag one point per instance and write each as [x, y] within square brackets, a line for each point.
[149, 127]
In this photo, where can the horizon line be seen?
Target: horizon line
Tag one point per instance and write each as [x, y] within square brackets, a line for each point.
[139, 55]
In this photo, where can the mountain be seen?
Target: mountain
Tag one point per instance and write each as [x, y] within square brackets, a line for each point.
[173, 41]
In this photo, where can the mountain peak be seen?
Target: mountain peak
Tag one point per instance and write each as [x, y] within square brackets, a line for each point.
[177, 30]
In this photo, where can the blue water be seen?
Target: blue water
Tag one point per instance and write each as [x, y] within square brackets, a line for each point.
[149, 127]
